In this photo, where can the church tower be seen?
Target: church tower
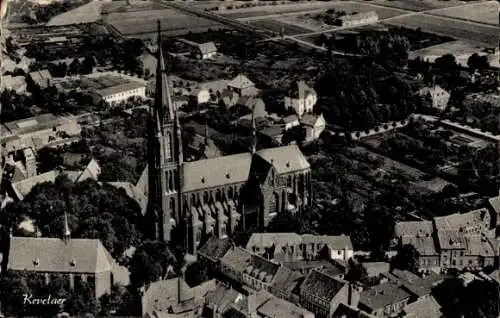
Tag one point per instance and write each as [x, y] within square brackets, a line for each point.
[164, 157]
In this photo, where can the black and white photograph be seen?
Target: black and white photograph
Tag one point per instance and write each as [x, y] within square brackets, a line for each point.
[250, 158]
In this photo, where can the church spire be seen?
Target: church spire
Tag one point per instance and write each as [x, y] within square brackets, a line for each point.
[163, 102]
[254, 132]
[66, 231]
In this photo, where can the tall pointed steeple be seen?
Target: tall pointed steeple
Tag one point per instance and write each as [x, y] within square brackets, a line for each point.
[163, 102]
[254, 132]
[164, 156]
[66, 231]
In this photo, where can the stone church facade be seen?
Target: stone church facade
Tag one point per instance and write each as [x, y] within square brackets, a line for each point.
[188, 201]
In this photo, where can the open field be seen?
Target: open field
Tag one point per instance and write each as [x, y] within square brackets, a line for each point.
[417, 5]
[485, 12]
[347, 6]
[485, 34]
[144, 23]
[276, 26]
[88, 13]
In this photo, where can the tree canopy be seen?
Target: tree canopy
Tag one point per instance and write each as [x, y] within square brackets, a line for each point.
[93, 211]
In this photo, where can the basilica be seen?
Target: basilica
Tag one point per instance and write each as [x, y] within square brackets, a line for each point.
[188, 201]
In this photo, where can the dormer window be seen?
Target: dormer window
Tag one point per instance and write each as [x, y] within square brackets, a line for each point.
[228, 176]
[203, 180]
[36, 262]
[288, 164]
[72, 263]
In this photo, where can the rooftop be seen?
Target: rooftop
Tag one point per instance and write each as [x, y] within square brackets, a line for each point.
[321, 285]
[240, 82]
[285, 159]
[451, 240]
[462, 220]
[414, 228]
[382, 295]
[208, 47]
[237, 258]
[215, 172]
[215, 248]
[56, 255]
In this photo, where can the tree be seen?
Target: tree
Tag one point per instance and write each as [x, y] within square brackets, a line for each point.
[196, 273]
[120, 301]
[407, 258]
[12, 289]
[88, 64]
[93, 210]
[477, 62]
[356, 271]
[150, 263]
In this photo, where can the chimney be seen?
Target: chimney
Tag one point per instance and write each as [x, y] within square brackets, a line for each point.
[353, 295]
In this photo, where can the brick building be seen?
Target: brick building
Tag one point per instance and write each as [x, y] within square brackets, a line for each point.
[190, 200]
[454, 241]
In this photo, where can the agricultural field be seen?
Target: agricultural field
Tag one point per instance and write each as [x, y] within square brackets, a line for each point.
[143, 24]
[484, 34]
[87, 13]
[485, 12]
[347, 6]
[276, 26]
[417, 5]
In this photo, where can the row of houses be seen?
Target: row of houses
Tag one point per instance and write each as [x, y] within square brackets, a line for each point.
[270, 264]
[460, 240]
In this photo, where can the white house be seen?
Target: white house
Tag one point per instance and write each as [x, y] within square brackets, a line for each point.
[314, 125]
[206, 50]
[437, 96]
[301, 98]
[122, 92]
[201, 95]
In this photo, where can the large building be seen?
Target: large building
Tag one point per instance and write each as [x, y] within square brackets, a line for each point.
[461, 240]
[190, 200]
[76, 260]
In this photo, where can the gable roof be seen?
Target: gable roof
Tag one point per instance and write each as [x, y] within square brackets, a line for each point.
[426, 307]
[208, 47]
[286, 280]
[55, 255]
[215, 172]
[266, 240]
[424, 245]
[237, 258]
[285, 159]
[240, 82]
[215, 248]
[22, 188]
[461, 220]
[310, 120]
[382, 295]
[321, 285]
[92, 171]
[451, 239]
[413, 228]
